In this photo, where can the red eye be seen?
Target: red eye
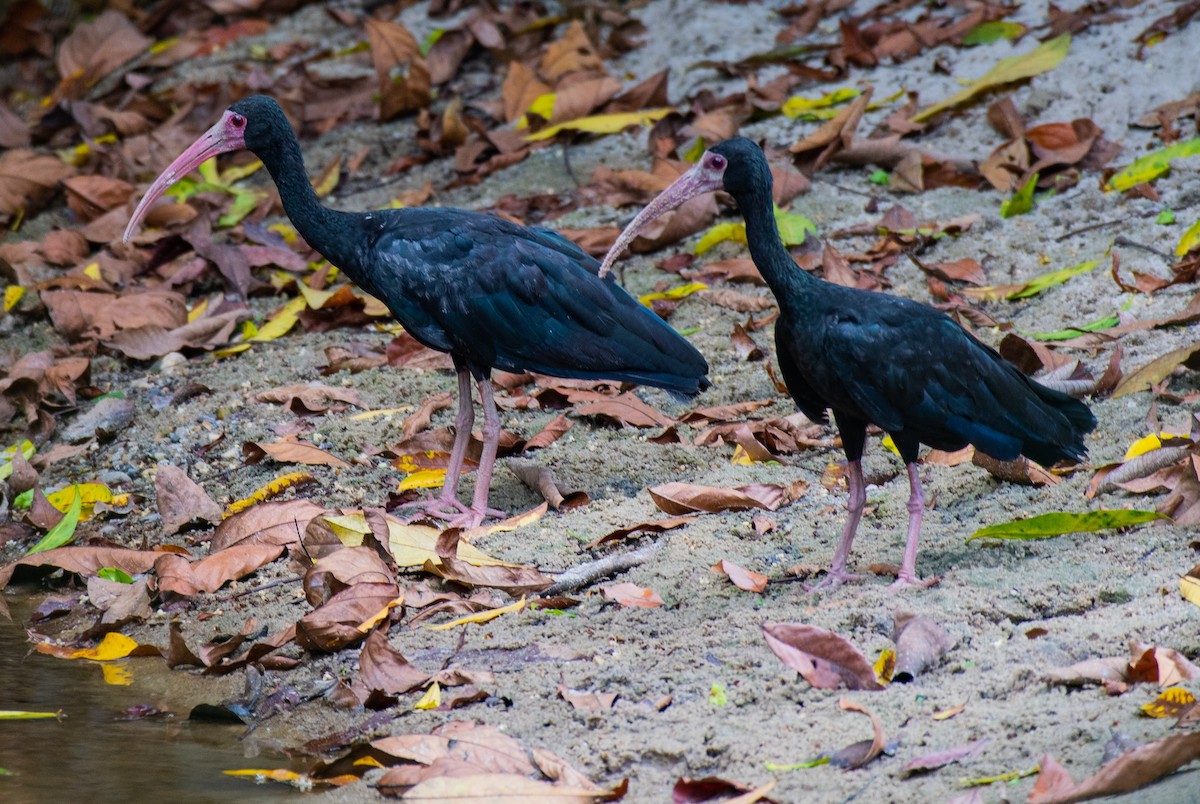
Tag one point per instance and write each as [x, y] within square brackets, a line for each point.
[717, 161]
[237, 120]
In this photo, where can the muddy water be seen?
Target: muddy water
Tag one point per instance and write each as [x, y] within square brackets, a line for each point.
[95, 753]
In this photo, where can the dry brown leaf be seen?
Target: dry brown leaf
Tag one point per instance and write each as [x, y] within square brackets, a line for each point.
[938, 759]
[1129, 772]
[335, 624]
[281, 522]
[858, 754]
[85, 561]
[483, 746]
[290, 450]
[582, 699]
[653, 526]
[177, 575]
[632, 595]
[95, 49]
[181, 500]
[403, 78]
[382, 669]
[741, 578]
[685, 498]
[823, 658]
[28, 179]
[625, 409]
[333, 572]
[514, 580]
[312, 397]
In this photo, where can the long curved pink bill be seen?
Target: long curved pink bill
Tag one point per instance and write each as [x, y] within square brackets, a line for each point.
[689, 185]
[219, 139]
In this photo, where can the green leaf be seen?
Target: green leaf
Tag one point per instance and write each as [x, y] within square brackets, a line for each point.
[1166, 217]
[434, 37]
[23, 500]
[697, 150]
[1038, 284]
[775, 767]
[987, 32]
[1152, 165]
[64, 531]
[1021, 201]
[1107, 322]
[115, 574]
[1189, 241]
[1057, 523]
[13, 714]
[1043, 58]
[880, 177]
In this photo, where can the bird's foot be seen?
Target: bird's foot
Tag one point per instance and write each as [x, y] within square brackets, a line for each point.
[832, 580]
[454, 513]
[908, 580]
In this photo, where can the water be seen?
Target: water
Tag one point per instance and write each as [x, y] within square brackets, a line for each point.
[93, 755]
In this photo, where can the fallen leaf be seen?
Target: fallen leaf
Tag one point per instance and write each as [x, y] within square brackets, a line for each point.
[628, 594]
[652, 526]
[859, 754]
[181, 500]
[271, 489]
[480, 617]
[290, 450]
[920, 644]
[741, 578]
[823, 658]
[282, 522]
[312, 397]
[580, 699]
[685, 498]
[1058, 523]
[938, 759]
[1043, 58]
[1173, 702]
[601, 123]
[1129, 772]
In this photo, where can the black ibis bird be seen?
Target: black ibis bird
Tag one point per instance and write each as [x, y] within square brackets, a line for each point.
[491, 293]
[871, 358]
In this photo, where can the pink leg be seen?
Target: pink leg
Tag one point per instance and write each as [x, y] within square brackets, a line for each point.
[487, 460]
[837, 575]
[464, 420]
[916, 507]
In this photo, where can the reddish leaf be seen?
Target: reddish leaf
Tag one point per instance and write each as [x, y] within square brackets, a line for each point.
[181, 500]
[282, 522]
[628, 594]
[685, 498]
[335, 625]
[290, 450]
[741, 578]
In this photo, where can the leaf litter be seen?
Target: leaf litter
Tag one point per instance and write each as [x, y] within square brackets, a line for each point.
[113, 313]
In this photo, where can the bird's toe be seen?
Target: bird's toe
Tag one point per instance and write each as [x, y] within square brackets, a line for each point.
[832, 580]
[911, 581]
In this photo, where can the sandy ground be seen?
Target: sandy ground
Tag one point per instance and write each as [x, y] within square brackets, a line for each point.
[1092, 593]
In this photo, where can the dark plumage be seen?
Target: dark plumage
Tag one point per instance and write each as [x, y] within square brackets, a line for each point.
[871, 358]
[491, 293]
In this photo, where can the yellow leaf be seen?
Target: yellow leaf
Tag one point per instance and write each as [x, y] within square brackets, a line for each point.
[735, 232]
[12, 295]
[1189, 241]
[507, 525]
[92, 271]
[284, 230]
[481, 616]
[410, 545]
[1043, 58]
[797, 105]
[889, 444]
[1152, 165]
[602, 123]
[372, 621]
[1148, 444]
[14, 714]
[230, 351]
[6, 457]
[1170, 702]
[90, 493]
[885, 666]
[741, 457]
[113, 646]
[117, 676]
[432, 698]
[946, 714]
[239, 172]
[1011, 776]
[198, 309]
[681, 292]
[272, 489]
[424, 479]
[327, 182]
[282, 321]
[369, 762]
[542, 106]
[375, 414]
[301, 781]
[315, 299]
[1189, 587]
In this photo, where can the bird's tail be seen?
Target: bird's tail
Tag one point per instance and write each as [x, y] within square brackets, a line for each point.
[1068, 420]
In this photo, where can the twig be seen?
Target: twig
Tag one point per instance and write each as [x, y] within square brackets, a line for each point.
[1122, 240]
[567, 165]
[592, 571]
[264, 587]
[1090, 227]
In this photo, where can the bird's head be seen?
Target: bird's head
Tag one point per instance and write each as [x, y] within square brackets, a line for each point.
[736, 165]
[256, 123]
